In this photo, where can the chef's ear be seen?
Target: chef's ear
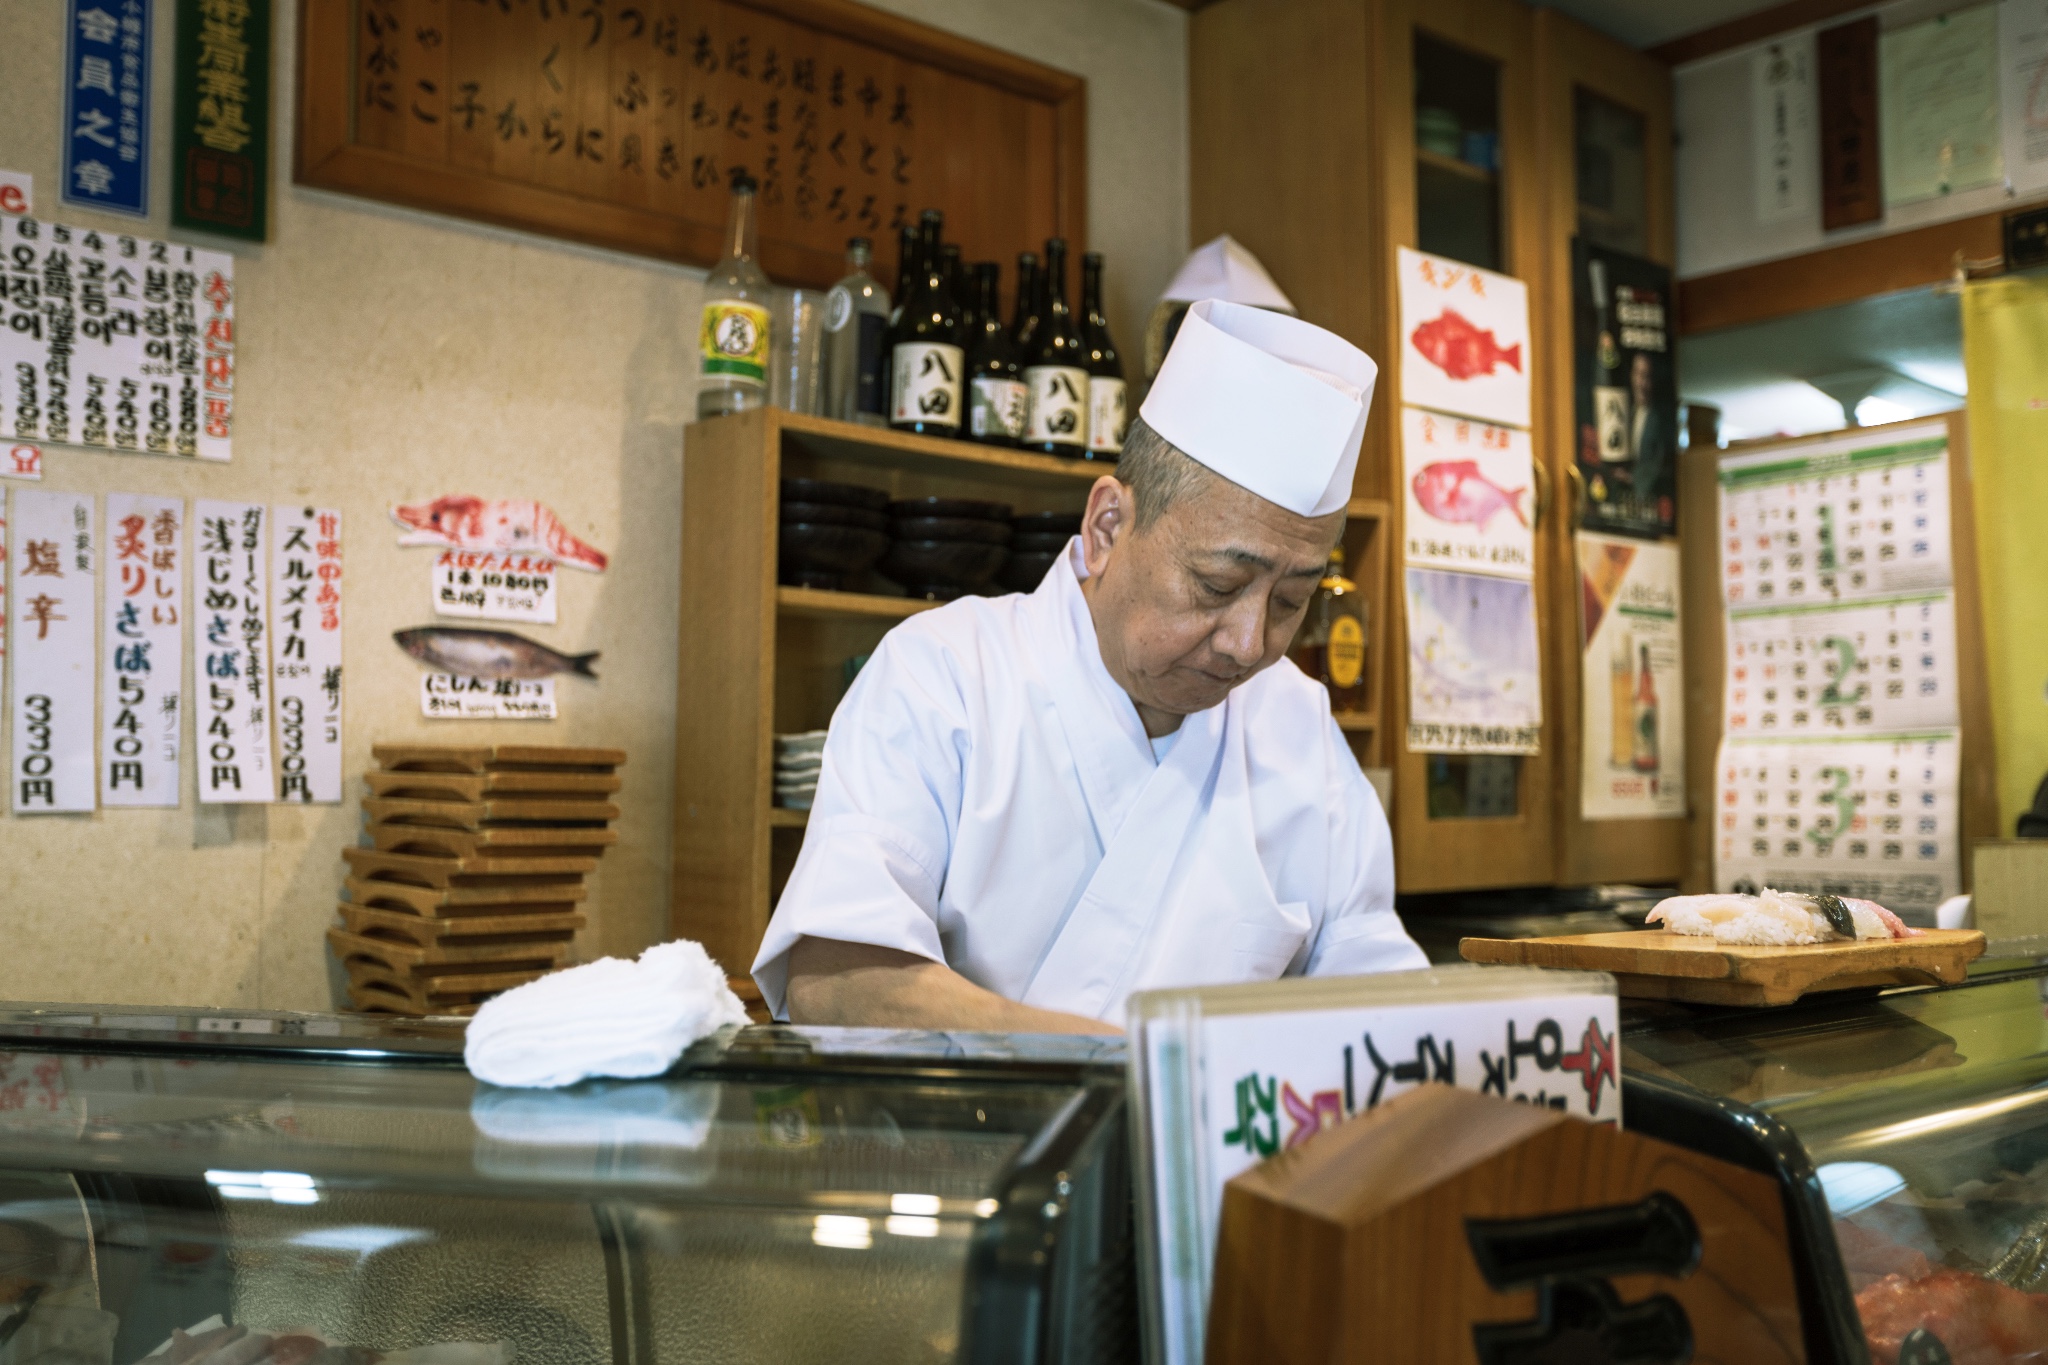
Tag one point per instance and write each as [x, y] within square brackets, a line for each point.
[1112, 514]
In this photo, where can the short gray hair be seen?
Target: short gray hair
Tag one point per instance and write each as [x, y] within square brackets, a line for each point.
[1157, 474]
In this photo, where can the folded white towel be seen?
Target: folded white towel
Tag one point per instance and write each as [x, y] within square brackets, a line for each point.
[607, 1018]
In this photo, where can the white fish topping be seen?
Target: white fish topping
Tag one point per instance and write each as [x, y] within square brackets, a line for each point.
[1774, 918]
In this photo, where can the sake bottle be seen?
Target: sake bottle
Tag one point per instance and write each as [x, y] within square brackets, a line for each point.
[856, 319]
[957, 291]
[1330, 646]
[906, 262]
[1056, 369]
[1024, 313]
[924, 347]
[733, 333]
[995, 396]
[1643, 755]
[1105, 368]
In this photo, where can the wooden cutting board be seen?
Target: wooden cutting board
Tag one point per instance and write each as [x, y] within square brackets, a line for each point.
[453, 957]
[477, 814]
[1658, 964]
[422, 870]
[561, 785]
[516, 841]
[458, 758]
[535, 898]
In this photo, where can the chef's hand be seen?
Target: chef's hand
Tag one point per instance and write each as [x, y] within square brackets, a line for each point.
[857, 984]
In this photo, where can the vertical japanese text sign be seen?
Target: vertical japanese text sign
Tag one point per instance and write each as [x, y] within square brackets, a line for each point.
[306, 664]
[231, 623]
[106, 105]
[220, 133]
[142, 667]
[53, 646]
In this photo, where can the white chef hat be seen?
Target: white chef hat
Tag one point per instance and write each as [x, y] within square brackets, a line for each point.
[1273, 404]
[1223, 269]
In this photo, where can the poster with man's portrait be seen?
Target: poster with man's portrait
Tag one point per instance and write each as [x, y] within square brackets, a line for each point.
[1627, 391]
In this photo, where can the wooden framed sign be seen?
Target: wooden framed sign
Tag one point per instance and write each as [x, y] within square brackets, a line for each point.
[619, 123]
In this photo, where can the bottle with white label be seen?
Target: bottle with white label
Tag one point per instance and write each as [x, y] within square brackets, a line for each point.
[995, 390]
[733, 333]
[1056, 369]
[925, 359]
[856, 319]
[1105, 368]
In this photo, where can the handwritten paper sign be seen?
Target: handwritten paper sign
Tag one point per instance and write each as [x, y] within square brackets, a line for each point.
[1469, 488]
[142, 659]
[231, 626]
[305, 665]
[450, 696]
[115, 341]
[495, 587]
[1464, 339]
[1228, 1076]
[54, 562]
[22, 461]
[622, 124]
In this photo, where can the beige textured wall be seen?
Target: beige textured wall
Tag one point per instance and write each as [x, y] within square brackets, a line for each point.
[390, 356]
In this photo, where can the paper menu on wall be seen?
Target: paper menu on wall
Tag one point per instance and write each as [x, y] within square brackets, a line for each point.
[1464, 339]
[1872, 818]
[306, 654]
[2023, 92]
[142, 659]
[53, 561]
[231, 639]
[1938, 105]
[1469, 489]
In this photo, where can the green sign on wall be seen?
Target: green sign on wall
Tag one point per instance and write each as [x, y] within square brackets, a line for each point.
[220, 139]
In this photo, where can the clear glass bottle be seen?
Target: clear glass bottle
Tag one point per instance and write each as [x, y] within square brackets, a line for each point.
[1330, 646]
[856, 362]
[733, 334]
[925, 360]
[1106, 398]
[1056, 369]
[995, 392]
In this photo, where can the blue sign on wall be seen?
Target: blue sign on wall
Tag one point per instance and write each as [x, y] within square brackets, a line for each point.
[106, 105]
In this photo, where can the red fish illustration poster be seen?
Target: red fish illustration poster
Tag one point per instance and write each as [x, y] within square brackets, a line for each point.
[1470, 490]
[1631, 690]
[1627, 392]
[1464, 340]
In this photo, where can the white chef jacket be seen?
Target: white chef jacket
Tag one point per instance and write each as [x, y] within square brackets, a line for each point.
[989, 800]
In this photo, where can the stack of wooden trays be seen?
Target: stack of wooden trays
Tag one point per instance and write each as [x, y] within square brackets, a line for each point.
[473, 880]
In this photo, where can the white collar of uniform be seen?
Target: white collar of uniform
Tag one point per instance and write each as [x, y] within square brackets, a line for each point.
[1062, 591]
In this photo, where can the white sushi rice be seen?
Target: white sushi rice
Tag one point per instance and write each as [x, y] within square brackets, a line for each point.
[1773, 919]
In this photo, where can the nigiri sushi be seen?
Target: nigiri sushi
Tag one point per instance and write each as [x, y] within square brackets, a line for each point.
[1778, 918]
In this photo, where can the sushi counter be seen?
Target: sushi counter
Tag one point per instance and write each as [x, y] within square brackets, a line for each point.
[234, 1188]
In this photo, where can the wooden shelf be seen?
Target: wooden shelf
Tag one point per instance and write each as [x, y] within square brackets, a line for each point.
[848, 442]
[821, 602]
[1452, 165]
[782, 817]
[1356, 720]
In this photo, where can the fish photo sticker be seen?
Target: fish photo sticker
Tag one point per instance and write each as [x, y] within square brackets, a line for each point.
[1464, 340]
[1470, 490]
[504, 525]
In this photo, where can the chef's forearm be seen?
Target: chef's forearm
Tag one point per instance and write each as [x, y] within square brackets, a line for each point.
[856, 984]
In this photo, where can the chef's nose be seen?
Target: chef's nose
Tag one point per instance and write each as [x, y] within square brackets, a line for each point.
[1241, 636]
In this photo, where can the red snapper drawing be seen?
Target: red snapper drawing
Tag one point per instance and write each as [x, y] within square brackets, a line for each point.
[509, 524]
[1461, 350]
[1455, 490]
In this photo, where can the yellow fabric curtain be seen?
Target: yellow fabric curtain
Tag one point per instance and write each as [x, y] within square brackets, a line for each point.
[2005, 352]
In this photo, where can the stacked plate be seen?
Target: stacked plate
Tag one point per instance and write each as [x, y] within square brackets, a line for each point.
[830, 532]
[1037, 539]
[473, 880]
[943, 548]
[798, 759]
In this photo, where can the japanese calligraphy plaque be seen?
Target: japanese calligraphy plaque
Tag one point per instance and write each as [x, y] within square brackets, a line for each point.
[619, 122]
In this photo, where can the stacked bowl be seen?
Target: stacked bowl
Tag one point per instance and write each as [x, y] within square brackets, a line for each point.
[798, 760]
[943, 548]
[1037, 539]
[831, 532]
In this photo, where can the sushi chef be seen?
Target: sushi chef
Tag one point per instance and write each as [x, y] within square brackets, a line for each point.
[1032, 806]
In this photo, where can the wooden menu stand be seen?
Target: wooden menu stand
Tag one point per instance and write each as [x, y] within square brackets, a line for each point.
[1451, 1226]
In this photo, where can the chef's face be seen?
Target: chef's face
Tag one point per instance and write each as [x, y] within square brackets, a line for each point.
[1209, 593]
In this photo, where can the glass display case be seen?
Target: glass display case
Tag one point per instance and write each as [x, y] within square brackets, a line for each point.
[1910, 1133]
[234, 1189]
